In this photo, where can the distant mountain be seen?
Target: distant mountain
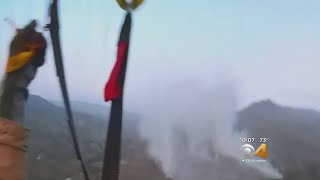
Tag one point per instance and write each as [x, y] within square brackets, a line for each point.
[101, 113]
[293, 137]
[51, 153]
[293, 142]
[96, 110]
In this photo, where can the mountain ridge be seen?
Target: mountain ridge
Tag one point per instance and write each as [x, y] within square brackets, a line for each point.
[291, 147]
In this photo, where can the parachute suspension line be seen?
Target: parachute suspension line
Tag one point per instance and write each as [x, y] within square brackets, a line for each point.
[53, 28]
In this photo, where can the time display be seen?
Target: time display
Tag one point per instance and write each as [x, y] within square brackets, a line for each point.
[247, 140]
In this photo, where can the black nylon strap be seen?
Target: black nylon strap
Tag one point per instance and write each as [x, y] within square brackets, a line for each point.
[55, 37]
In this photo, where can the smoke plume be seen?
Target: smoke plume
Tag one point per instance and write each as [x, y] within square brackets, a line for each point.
[189, 126]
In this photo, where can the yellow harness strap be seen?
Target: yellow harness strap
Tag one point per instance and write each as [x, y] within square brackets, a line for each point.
[18, 61]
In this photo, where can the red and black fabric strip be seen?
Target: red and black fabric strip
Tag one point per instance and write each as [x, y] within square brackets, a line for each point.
[114, 92]
[115, 84]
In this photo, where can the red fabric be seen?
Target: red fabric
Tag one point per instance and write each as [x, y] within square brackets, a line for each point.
[112, 89]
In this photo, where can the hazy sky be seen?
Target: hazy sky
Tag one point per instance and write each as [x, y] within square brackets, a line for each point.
[270, 49]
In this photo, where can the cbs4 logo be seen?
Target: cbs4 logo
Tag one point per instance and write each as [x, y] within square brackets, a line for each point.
[249, 151]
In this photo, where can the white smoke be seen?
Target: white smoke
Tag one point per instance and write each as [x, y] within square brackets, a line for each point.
[188, 123]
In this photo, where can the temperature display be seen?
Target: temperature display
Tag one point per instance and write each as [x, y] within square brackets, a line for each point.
[263, 140]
